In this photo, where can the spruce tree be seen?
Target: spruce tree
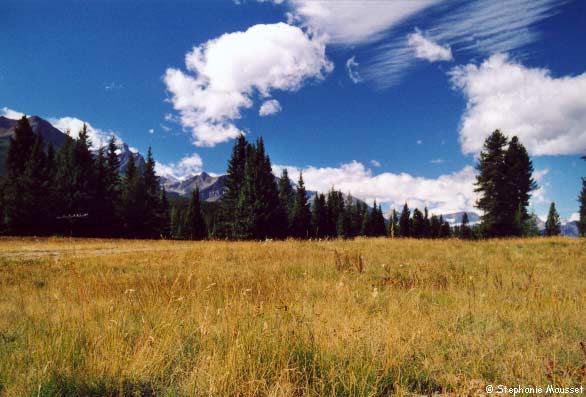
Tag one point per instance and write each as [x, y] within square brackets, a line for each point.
[300, 214]
[133, 202]
[19, 152]
[435, 226]
[112, 190]
[393, 224]
[379, 226]
[164, 221]
[197, 229]
[234, 181]
[491, 184]
[418, 224]
[319, 217]
[404, 222]
[335, 207]
[426, 224]
[152, 193]
[35, 192]
[446, 230]
[519, 183]
[552, 225]
[465, 232]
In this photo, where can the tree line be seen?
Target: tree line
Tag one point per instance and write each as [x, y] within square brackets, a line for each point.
[74, 191]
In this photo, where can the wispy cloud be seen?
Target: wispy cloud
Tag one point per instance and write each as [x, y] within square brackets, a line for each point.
[482, 27]
[352, 68]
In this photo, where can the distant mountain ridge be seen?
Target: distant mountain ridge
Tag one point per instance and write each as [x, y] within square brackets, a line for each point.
[56, 137]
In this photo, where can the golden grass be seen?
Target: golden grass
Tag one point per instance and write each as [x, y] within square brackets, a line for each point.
[101, 318]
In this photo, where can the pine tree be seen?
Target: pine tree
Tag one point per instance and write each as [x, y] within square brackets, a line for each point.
[418, 224]
[519, 183]
[492, 186]
[197, 229]
[286, 196]
[101, 207]
[393, 224]
[164, 221]
[465, 232]
[112, 193]
[446, 230]
[35, 191]
[133, 203]
[435, 227]
[426, 224]
[319, 217]
[552, 225]
[404, 222]
[152, 222]
[379, 227]
[16, 218]
[335, 207]
[300, 214]
[228, 217]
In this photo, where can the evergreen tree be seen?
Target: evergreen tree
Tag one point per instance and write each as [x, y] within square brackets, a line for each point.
[582, 210]
[435, 226]
[196, 226]
[531, 227]
[300, 214]
[379, 226]
[101, 207]
[164, 221]
[552, 225]
[446, 230]
[465, 232]
[404, 222]
[271, 216]
[152, 221]
[335, 208]
[133, 206]
[519, 183]
[393, 224]
[228, 217]
[426, 224]
[492, 186]
[35, 191]
[286, 194]
[112, 191]
[319, 217]
[418, 224]
[16, 218]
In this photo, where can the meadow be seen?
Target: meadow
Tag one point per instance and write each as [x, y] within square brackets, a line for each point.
[368, 317]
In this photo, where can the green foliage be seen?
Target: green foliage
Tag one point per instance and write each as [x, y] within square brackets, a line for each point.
[552, 225]
[504, 182]
[404, 223]
[582, 210]
[300, 214]
[195, 226]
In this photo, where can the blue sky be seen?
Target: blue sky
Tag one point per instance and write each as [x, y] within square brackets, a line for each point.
[386, 100]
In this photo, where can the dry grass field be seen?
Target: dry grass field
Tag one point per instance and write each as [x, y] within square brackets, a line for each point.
[162, 318]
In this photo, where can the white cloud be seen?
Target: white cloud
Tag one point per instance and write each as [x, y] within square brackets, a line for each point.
[354, 22]
[419, 142]
[445, 194]
[98, 137]
[186, 167]
[11, 114]
[437, 161]
[574, 217]
[151, 130]
[225, 73]
[425, 48]
[351, 66]
[269, 107]
[548, 114]
[480, 27]
[375, 163]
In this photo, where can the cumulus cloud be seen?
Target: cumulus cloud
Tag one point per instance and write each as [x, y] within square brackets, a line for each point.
[11, 113]
[575, 217]
[351, 66]
[216, 86]
[269, 107]
[425, 48]
[445, 194]
[548, 114]
[186, 167]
